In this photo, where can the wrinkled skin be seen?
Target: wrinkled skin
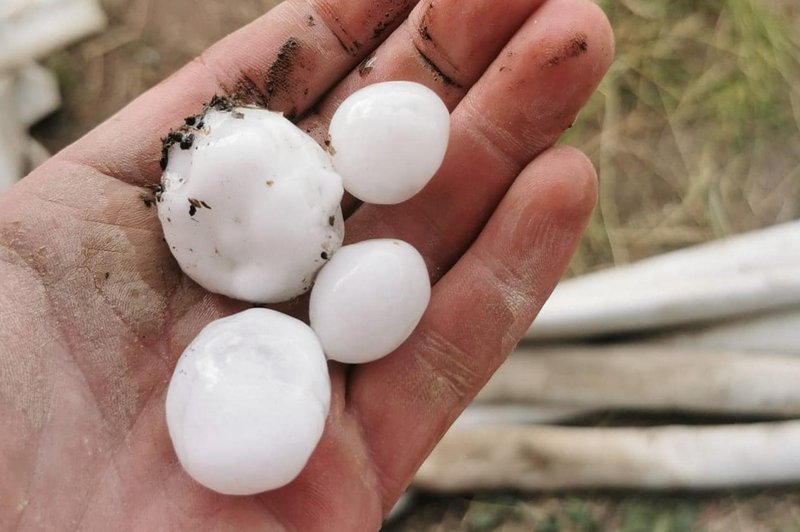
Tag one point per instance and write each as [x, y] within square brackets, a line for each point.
[94, 312]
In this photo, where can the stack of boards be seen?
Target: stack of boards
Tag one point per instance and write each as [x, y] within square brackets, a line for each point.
[710, 331]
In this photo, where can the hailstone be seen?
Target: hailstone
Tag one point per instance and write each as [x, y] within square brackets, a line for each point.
[250, 204]
[369, 299]
[388, 140]
[247, 403]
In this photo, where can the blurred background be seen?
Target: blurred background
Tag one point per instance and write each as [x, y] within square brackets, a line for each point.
[696, 135]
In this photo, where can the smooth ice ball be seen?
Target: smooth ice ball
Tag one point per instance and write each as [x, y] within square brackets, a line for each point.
[247, 402]
[369, 299]
[250, 205]
[388, 140]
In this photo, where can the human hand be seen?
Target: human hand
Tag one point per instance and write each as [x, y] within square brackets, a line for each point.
[94, 312]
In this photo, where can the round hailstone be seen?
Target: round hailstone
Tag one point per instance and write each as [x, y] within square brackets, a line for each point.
[388, 140]
[250, 204]
[368, 300]
[247, 402]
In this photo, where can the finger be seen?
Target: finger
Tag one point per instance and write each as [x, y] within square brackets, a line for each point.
[478, 313]
[445, 44]
[527, 98]
[285, 60]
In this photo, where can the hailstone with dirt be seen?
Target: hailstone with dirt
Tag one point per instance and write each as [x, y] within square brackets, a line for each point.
[249, 204]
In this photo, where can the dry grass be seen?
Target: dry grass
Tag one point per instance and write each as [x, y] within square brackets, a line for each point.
[696, 130]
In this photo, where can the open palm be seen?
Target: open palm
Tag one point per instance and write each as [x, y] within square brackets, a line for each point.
[94, 312]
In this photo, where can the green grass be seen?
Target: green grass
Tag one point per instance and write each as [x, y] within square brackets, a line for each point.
[656, 516]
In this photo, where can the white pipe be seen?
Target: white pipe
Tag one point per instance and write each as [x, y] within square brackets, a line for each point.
[750, 273]
[547, 458]
[650, 377]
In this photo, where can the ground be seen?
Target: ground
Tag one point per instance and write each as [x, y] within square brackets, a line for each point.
[695, 134]
[744, 512]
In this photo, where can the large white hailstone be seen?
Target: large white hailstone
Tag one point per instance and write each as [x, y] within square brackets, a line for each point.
[369, 299]
[247, 402]
[388, 140]
[250, 205]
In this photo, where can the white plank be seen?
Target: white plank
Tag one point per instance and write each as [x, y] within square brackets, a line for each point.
[650, 377]
[776, 332]
[751, 273]
[548, 458]
[31, 29]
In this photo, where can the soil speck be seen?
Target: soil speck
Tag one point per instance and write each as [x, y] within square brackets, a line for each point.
[195, 204]
[187, 141]
[367, 65]
[220, 103]
[576, 47]
[329, 147]
[282, 68]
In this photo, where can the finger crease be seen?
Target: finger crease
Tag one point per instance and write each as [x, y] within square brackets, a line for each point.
[498, 140]
[423, 48]
[448, 366]
[335, 26]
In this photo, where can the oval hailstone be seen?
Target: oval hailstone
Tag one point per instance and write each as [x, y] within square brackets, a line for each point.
[247, 403]
[368, 299]
[388, 140]
[250, 205]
